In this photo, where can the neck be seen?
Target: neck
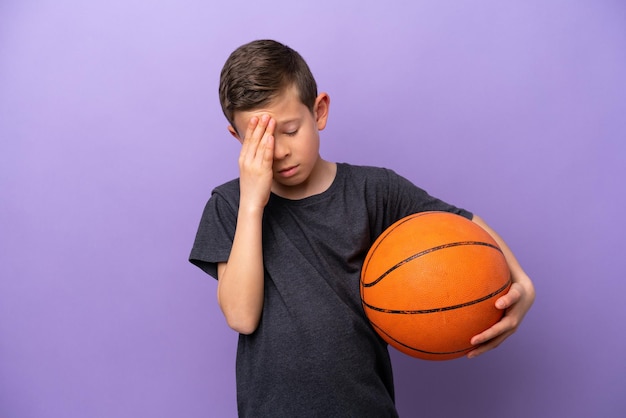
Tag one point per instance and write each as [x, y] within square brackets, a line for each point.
[318, 182]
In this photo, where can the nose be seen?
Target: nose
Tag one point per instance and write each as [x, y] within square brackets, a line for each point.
[281, 149]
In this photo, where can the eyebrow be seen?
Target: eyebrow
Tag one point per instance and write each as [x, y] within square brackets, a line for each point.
[287, 122]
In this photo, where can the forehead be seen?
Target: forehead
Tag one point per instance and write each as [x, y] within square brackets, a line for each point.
[284, 108]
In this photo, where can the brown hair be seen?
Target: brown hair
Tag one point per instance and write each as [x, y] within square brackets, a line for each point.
[257, 72]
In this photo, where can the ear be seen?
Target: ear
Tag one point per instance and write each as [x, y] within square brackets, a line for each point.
[321, 109]
[234, 133]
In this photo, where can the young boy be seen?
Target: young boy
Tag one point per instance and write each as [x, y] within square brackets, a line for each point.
[286, 241]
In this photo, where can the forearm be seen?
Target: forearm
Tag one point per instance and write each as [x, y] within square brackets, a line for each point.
[517, 273]
[240, 285]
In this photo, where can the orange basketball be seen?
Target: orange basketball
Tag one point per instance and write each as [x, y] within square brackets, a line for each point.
[429, 284]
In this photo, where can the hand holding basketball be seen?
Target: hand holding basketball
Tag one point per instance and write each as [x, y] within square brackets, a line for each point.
[430, 282]
[512, 304]
[515, 303]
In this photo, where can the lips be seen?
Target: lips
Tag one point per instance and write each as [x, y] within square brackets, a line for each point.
[288, 171]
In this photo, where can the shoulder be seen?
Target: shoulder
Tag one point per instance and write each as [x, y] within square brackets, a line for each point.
[228, 191]
[371, 175]
[367, 172]
[228, 188]
[223, 199]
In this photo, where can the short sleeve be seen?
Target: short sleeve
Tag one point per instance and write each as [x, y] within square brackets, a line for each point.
[405, 198]
[214, 238]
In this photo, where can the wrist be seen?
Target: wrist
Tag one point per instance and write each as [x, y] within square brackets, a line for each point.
[246, 209]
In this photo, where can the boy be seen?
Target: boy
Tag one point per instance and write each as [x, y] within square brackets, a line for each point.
[286, 241]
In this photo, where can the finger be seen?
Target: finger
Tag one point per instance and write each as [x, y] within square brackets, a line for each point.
[264, 151]
[489, 334]
[246, 143]
[271, 126]
[268, 152]
[483, 348]
[508, 324]
[511, 298]
[252, 124]
[259, 135]
[260, 128]
[255, 130]
[252, 141]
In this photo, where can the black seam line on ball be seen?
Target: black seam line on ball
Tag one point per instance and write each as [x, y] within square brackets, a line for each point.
[428, 251]
[435, 310]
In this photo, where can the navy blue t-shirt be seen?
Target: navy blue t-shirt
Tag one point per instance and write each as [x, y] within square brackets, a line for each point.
[314, 352]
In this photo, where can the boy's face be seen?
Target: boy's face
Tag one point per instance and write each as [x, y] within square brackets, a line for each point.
[297, 164]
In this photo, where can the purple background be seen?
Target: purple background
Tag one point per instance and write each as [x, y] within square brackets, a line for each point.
[111, 139]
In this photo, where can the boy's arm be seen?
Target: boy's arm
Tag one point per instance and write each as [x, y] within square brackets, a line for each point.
[516, 302]
[241, 279]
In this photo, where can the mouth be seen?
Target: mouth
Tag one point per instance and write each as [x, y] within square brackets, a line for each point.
[288, 171]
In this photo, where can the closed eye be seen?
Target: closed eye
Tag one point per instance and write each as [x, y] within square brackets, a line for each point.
[291, 133]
